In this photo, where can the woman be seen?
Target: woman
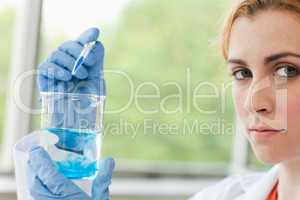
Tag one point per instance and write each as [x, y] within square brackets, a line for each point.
[261, 44]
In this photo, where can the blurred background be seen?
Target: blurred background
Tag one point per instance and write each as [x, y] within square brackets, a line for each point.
[169, 119]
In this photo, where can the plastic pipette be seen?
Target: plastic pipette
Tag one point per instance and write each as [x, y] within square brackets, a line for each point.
[83, 55]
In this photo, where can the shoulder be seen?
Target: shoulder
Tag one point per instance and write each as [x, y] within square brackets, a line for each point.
[228, 188]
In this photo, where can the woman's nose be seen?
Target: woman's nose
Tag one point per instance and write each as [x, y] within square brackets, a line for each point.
[260, 96]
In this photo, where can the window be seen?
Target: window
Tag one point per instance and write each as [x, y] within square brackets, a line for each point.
[7, 21]
[18, 100]
[164, 103]
[7, 16]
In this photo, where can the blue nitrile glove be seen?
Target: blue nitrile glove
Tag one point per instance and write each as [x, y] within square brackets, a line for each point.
[55, 73]
[46, 183]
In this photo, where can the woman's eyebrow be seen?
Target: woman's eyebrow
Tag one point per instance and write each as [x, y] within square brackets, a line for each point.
[236, 61]
[277, 56]
[267, 60]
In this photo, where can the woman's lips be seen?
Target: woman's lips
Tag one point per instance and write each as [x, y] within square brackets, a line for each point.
[265, 133]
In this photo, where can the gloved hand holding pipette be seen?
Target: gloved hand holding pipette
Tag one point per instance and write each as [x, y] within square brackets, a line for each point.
[83, 57]
[74, 67]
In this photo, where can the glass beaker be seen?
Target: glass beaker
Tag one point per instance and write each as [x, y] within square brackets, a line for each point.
[74, 120]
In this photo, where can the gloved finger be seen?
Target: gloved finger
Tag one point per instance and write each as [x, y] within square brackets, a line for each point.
[98, 51]
[36, 188]
[39, 191]
[62, 86]
[89, 35]
[81, 72]
[92, 86]
[45, 84]
[54, 71]
[100, 189]
[62, 59]
[43, 167]
[94, 71]
[74, 49]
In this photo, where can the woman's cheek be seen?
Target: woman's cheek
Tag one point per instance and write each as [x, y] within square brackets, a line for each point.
[293, 112]
[292, 106]
[239, 97]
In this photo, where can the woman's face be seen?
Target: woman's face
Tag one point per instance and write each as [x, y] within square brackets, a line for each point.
[264, 57]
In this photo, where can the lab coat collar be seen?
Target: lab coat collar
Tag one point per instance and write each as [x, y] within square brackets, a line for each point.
[262, 188]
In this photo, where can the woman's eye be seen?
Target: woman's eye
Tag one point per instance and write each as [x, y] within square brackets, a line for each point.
[242, 74]
[287, 71]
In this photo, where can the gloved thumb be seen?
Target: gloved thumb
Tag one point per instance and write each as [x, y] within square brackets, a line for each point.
[101, 183]
[41, 164]
[89, 35]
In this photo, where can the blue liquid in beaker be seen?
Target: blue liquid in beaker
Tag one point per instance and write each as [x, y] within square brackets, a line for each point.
[79, 151]
[76, 170]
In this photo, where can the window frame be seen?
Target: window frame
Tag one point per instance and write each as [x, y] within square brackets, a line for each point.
[25, 49]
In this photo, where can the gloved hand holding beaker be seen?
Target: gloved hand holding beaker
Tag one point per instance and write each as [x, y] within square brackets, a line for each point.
[46, 183]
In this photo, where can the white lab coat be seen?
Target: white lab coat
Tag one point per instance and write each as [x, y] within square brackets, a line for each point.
[256, 186]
